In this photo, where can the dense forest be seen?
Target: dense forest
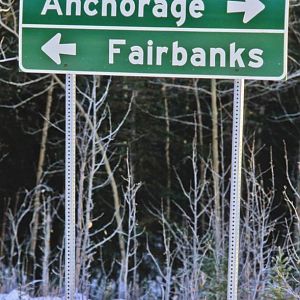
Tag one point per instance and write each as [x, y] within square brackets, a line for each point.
[152, 185]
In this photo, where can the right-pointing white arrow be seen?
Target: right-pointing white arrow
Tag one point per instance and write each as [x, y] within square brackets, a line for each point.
[251, 8]
[53, 48]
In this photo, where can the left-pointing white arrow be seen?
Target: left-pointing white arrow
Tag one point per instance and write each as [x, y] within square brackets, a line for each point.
[53, 48]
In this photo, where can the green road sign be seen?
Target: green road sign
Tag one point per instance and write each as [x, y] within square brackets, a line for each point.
[169, 38]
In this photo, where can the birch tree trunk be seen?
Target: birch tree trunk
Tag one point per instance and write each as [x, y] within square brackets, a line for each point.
[40, 169]
[132, 164]
[200, 143]
[215, 172]
[200, 129]
[46, 248]
[167, 151]
[80, 221]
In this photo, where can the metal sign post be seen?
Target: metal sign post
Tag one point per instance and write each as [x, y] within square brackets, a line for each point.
[235, 193]
[70, 172]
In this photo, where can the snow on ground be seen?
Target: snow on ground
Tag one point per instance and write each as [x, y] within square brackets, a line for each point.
[17, 295]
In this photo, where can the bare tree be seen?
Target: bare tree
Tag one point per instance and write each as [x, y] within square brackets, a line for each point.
[40, 169]
[215, 174]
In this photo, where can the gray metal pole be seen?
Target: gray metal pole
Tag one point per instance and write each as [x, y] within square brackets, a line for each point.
[70, 170]
[235, 193]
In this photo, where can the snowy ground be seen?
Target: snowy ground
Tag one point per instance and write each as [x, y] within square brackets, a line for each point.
[17, 295]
